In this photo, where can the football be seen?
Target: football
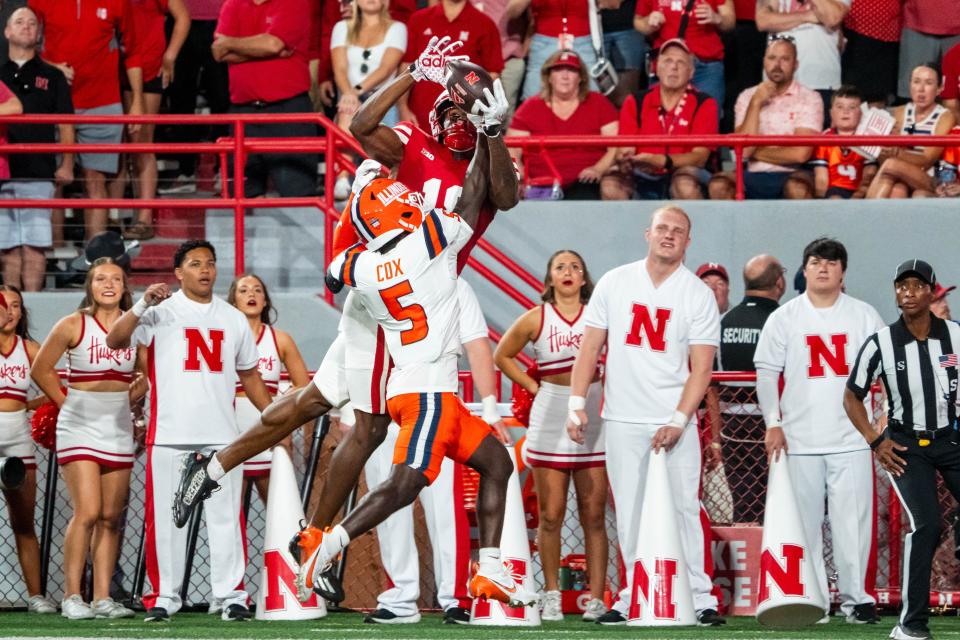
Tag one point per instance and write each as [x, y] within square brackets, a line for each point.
[466, 82]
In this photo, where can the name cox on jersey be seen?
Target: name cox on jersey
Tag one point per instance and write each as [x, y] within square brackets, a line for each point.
[389, 270]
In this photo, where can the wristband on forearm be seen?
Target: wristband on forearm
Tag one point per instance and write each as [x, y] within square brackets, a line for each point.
[491, 415]
[140, 308]
[678, 419]
[773, 421]
[876, 442]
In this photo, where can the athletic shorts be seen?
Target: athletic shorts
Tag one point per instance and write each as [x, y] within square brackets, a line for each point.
[15, 439]
[434, 426]
[100, 134]
[30, 227]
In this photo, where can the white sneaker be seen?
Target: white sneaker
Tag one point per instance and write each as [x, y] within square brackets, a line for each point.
[109, 608]
[216, 606]
[74, 608]
[594, 609]
[41, 604]
[551, 608]
[341, 189]
[901, 633]
[182, 184]
[825, 619]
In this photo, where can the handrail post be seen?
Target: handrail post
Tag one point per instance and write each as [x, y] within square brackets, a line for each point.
[738, 159]
[239, 191]
[329, 176]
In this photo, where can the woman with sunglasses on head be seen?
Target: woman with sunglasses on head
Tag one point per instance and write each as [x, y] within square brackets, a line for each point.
[277, 351]
[555, 329]
[365, 51]
[17, 353]
[95, 443]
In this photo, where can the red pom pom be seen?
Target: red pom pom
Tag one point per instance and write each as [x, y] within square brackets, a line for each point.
[43, 425]
[523, 399]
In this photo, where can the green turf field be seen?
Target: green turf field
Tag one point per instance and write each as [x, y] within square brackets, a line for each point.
[350, 626]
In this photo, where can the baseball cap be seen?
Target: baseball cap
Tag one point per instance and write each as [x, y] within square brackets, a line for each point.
[108, 244]
[675, 42]
[941, 291]
[917, 269]
[565, 59]
[708, 268]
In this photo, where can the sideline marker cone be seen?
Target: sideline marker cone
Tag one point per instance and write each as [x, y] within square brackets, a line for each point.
[789, 593]
[661, 593]
[277, 597]
[515, 551]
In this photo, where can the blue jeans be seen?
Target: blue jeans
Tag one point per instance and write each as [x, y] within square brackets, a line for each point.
[625, 49]
[541, 48]
[708, 77]
[765, 185]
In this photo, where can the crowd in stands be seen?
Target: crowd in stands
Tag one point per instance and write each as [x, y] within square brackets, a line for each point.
[676, 67]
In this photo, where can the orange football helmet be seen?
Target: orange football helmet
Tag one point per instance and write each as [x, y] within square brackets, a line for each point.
[384, 209]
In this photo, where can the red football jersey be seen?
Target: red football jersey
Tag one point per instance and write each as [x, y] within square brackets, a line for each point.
[430, 168]
[845, 167]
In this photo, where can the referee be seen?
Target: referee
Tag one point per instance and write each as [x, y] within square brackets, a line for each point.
[916, 359]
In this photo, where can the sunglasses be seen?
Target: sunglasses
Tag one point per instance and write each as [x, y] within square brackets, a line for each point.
[774, 37]
[366, 56]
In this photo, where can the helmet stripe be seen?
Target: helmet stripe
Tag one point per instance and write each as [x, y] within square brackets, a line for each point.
[358, 220]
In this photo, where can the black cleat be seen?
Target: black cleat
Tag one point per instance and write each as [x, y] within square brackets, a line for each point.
[612, 618]
[865, 613]
[456, 615]
[195, 487]
[710, 618]
[385, 616]
[156, 614]
[235, 613]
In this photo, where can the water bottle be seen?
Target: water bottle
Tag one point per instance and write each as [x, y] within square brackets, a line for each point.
[946, 174]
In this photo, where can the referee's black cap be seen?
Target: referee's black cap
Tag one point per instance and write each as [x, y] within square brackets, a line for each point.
[917, 269]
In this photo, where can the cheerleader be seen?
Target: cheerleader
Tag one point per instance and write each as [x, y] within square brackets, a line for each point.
[277, 351]
[95, 444]
[17, 352]
[555, 330]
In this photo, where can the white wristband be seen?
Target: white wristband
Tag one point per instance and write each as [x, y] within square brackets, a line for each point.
[577, 403]
[141, 307]
[773, 421]
[679, 419]
[491, 414]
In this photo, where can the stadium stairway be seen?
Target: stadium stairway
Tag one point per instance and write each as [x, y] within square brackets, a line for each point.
[173, 226]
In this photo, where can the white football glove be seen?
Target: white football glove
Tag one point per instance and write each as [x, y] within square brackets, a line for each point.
[366, 172]
[432, 62]
[489, 113]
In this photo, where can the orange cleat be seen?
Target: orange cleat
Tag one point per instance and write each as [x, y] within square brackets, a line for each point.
[317, 573]
[500, 586]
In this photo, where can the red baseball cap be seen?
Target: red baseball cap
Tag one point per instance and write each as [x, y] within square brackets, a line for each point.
[675, 42]
[708, 268]
[566, 59]
[941, 291]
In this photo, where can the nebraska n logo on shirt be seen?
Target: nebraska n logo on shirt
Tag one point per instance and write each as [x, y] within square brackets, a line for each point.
[833, 356]
[654, 328]
[206, 345]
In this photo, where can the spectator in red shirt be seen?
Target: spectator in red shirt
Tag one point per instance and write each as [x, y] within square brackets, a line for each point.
[461, 21]
[869, 60]
[951, 81]
[80, 39]
[671, 107]
[264, 43]
[158, 58]
[930, 29]
[697, 22]
[566, 106]
[841, 172]
[513, 32]
[9, 106]
[557, 25]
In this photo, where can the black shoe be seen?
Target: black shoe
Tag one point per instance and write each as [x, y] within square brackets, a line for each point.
[235, 613]
[385, 616]
[456, 615]
[195, 487]
[612, 618]
[328, 586]
[710, 618]
[156, 614]
[865, 613]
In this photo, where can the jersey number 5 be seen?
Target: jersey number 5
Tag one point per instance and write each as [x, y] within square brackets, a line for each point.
[414, 312]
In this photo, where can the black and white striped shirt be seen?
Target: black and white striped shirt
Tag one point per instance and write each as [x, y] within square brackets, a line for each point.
[920, 376]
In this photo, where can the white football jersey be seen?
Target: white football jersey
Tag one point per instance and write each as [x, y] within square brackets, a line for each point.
[814, 349]
[649, 334]
[194, 352]
[472, 323]
[411, 291]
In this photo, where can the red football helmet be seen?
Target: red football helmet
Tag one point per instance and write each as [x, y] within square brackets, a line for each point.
[460, 136]
[384, 209]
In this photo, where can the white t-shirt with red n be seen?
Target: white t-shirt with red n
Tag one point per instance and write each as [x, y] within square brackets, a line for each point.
[194, 353]
[649, 334]
[814, 349]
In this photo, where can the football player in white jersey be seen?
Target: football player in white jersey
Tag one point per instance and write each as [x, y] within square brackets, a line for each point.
[661, 327]
[812, 342]
[196, 346]
[405, 273]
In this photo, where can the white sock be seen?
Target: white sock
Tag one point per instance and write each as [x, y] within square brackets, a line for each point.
[335, 540]
[490, 560]
[215, 469]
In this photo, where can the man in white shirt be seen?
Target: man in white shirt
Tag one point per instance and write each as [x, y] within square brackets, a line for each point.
[661, 328]
[196, 347]
[812, 342]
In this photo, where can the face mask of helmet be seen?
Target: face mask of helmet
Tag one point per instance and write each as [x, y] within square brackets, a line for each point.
[459, 135]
